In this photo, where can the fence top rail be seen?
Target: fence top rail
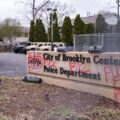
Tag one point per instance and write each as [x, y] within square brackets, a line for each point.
[99, 34]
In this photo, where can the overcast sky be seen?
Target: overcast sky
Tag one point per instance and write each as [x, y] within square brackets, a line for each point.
[92, 6]
[8, 8]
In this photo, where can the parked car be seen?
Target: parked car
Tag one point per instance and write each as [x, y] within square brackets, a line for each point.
[29, 47]
[55, 48]
[36, 48]
[63, 48]
[95, 49]
[23, 47]
[43, 48]
[18, 47]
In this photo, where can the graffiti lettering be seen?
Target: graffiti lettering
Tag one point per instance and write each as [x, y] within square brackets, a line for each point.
[114, 74]
[36, 62]
[78, 67]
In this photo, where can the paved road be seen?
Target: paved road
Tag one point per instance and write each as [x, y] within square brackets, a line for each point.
[13, 65]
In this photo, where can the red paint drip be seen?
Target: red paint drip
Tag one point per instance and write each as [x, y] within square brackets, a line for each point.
[114, 73]
[116, 94]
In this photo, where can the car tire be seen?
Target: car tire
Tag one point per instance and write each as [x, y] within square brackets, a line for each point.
[20, 51]
[45, 50]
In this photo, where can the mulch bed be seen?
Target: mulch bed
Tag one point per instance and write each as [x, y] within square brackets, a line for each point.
[26, 101]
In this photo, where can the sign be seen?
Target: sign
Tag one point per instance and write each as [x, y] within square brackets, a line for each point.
[98, 69]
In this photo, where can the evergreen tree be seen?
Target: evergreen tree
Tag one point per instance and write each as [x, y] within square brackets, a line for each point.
[1, 34]
[79, 25]
[101, 25]
[89, 28]
[56, 35]
[31, 32]
[118, 27]
[67, 31]
[40, 35]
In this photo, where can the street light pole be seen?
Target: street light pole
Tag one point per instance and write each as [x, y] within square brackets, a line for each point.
[52, 32]
[52, 21]
[118, 8]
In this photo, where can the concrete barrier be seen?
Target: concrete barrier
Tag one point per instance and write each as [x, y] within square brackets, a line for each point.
[94, 73]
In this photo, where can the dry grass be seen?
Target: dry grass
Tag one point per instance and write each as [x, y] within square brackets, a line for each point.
[26, 101]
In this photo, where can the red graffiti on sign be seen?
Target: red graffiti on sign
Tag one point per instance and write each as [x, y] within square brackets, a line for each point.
[114, 74]
[78, 67]
[36, 62]
[50, 64]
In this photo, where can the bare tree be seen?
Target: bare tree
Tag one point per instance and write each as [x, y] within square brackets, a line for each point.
[32, 7]
[62, 11]
[10, 29]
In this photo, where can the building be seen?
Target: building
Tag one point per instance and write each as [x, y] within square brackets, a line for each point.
[110, 18]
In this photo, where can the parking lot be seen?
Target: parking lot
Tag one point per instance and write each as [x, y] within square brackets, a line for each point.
[13, 65]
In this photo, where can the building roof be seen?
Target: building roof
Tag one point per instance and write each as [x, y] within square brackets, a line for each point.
[92, 18]
[89, 19]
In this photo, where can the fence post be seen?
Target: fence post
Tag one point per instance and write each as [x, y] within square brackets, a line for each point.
[102, 40]
[74, 41]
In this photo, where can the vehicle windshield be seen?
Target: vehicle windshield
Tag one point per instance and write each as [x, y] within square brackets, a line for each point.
[20, 43]
[28, 44]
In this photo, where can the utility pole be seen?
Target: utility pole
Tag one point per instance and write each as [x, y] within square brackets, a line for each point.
[33, 11]
[118, 9]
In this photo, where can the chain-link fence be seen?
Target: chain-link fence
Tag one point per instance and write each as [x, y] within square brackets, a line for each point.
[110, 42]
